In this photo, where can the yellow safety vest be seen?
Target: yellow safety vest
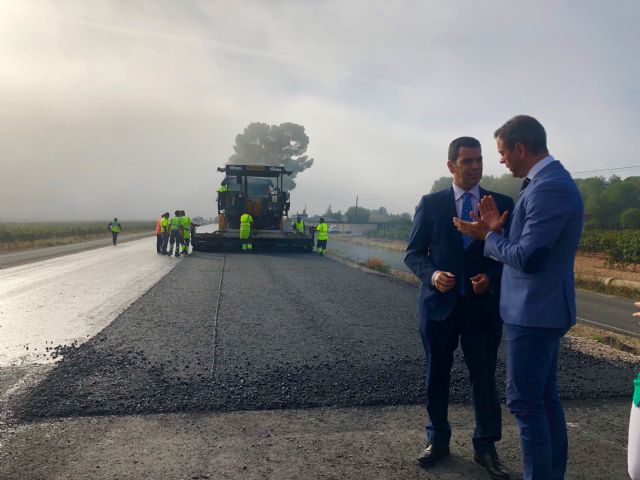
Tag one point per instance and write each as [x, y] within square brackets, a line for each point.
[322, 230]
[186, 225]
[299, 226]
[164, 224]
[175, 223]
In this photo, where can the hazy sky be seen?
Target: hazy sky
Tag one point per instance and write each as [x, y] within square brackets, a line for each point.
[127, 107]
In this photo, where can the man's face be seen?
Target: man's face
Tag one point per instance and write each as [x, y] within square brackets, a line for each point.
[513, 159]
[467, 169]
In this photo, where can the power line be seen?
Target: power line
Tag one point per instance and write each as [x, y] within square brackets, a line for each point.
[606, 170]
[615, 169]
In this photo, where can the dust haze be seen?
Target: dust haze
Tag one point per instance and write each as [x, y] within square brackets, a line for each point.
[126, 109]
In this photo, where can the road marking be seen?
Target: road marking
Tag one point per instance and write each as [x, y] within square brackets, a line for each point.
[609, 327]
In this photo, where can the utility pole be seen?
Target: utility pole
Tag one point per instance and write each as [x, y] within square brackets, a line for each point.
[356, 207]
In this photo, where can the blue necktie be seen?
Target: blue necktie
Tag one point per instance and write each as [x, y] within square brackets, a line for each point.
[465, 214]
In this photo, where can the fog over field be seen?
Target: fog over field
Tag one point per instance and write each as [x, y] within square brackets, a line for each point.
[125, 109]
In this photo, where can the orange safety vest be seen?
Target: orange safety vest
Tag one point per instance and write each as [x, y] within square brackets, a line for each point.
[158, 228]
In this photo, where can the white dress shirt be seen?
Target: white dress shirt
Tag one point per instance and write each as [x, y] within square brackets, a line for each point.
[458, 192]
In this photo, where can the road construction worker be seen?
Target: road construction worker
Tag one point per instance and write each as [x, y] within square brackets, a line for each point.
[186, 232]
[298, 225]
[322, 232]
[164, 228]
[159, 234]
[115, 228]
[246, 221]
[222, 194]
[175, 233]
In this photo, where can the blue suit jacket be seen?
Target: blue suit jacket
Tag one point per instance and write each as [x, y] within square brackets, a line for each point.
[539, 252]
[435, 244]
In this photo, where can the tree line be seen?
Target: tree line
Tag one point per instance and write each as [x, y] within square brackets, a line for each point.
[608, 204]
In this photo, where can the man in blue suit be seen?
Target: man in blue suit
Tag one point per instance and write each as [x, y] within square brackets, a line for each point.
[458, 303]
[537, 300]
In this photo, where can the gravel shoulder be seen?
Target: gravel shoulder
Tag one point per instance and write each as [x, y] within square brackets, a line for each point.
[325, 443]
[28, 256]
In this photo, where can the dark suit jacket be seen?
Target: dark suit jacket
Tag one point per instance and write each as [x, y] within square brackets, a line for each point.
[435, 244]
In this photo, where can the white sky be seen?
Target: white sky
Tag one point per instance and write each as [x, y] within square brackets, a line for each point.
[126, 108]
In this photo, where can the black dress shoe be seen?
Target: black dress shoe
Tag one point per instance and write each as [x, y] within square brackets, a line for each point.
[492, 464]
[432, 455]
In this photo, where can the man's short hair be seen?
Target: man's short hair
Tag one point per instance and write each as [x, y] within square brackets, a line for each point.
[455, 145]
[525, 130]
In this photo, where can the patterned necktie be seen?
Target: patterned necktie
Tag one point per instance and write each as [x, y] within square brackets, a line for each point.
[525, 184]
[465, 214]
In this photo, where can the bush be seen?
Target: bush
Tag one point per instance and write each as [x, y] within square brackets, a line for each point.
[622, 248]
[376, 263]
[630, 218]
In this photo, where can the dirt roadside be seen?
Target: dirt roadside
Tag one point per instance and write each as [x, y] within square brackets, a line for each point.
[325, 443]
[592, 265]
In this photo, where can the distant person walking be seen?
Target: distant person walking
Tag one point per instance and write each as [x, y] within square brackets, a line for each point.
[159, 234]
[164, 228]
[323, 234]
[115, 228]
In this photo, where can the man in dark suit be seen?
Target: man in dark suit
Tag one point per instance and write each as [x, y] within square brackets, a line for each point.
[537, 302]
[458, 302]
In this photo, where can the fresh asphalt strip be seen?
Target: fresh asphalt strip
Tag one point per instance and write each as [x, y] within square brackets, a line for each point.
[291, 331]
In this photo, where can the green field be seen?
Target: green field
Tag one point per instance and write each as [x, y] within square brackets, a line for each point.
[18, 236]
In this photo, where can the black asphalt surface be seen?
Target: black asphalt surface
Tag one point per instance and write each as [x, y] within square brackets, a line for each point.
[603, 311]
[286, 331]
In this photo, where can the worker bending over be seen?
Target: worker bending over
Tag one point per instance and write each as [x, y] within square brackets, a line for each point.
[246, 221]
[322, 230]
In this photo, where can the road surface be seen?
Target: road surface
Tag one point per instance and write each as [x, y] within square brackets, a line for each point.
[245, 366]
[603, 311]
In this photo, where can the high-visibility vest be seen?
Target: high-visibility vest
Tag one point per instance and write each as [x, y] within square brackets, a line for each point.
[175, 223]
[246, 220]
[222, 188]
[158, 227]
[115, 227]
[164, 224]
[245, 225]
[186, 225]
[322, 230]
[299, 226]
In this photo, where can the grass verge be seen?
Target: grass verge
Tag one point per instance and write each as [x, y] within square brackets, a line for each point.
[24, 245]
[595, 285]
[377, 264]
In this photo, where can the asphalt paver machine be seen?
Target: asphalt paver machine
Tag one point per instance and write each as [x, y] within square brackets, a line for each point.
[257, 190]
